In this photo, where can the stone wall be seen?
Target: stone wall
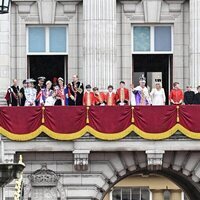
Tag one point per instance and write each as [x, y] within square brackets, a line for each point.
[118, 59]
[81, 173]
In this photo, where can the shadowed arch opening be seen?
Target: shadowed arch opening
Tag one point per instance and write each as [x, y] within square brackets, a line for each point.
[189, 187]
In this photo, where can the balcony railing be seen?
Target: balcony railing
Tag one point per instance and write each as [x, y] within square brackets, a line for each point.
[106, 123]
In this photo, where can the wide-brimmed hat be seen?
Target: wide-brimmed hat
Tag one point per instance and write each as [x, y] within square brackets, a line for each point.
[60, 79]
[41, 78]
[30, 80]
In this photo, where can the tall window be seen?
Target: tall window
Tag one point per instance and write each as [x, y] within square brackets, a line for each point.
[152, 39]
[131, 194]
[47, 40]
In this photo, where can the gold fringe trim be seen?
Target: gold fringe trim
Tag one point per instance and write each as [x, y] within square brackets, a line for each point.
[110, 136]
[132, 119]
[100, 135]
[177, 115]
[87, 117]
[43, 118]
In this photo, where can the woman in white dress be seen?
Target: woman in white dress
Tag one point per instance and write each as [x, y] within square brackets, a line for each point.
[158, 95]
[30, 93]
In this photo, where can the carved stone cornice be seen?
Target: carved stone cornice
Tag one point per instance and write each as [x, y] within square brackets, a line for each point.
[129, 6]
[175, 5]
[69, 6]
[24, 7]
[44, 177]
[46, 16]
[152, 15]
[155, 159]
[81, 159]
[152, 10]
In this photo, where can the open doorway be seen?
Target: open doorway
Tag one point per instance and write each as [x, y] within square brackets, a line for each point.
[48, 66]
[154, 67]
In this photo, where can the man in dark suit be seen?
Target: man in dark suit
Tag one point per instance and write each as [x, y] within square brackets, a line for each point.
[189, 96]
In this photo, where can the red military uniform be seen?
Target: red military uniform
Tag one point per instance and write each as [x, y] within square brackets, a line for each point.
[88, 99]
[110, 99]
[176, 96]
[99, 98]
[122, 95]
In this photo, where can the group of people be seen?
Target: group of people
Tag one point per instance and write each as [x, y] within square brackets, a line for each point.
[46, 93]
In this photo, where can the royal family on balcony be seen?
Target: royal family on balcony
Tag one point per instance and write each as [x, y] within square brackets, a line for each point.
[73, 94]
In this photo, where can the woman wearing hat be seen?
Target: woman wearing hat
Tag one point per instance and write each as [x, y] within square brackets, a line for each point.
[46, 92]
[30, 93]
[61, 93]
[158, 95]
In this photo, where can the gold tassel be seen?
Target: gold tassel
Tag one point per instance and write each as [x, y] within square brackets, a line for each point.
[43, 120]
[132, 119]
[87, 119]
[177, 117]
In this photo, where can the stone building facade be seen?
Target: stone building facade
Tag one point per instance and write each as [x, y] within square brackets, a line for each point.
[101, 44]
[105, 42]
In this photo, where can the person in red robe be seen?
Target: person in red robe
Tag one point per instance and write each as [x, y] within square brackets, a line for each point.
[176, 95]
[122, 95]
[88, 97]
[99, 97]
[110, 97]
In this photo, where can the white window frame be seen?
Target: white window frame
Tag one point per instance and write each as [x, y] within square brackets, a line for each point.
[152, 34]
[130, 188]
[47, 42]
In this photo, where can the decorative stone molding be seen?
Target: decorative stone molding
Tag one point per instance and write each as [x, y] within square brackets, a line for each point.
[47, 16]
[44, 177]
[81, 159]
[129, 6]
[24, 7]
[152, 10]
[175, 6]
[8, 156]
[69, 6]
[155, 159]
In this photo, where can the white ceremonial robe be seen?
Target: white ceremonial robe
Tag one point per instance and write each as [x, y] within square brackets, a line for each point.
[30, 94]
[158, 97]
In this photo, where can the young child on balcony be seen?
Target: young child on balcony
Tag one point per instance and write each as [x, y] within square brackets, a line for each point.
[88, 98]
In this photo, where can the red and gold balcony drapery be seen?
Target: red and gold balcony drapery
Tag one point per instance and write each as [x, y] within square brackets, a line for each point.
[106, 123]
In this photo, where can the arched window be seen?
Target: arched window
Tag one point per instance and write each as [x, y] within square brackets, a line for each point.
[166, 194]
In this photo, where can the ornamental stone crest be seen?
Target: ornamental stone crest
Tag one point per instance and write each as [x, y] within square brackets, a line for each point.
[44, 184]
[44, 177]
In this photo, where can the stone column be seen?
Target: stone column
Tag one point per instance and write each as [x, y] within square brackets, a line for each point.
[194, 43]
[99, 49]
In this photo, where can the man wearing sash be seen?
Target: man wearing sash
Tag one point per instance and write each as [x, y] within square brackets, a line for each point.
[122, 95]
[39, 88]
[88, 97]
[76, 91]
[110, 97]
[142, 96]
[12, 95]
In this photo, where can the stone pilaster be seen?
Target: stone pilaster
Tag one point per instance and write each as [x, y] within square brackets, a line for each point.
[99, 45]
[194, 43]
